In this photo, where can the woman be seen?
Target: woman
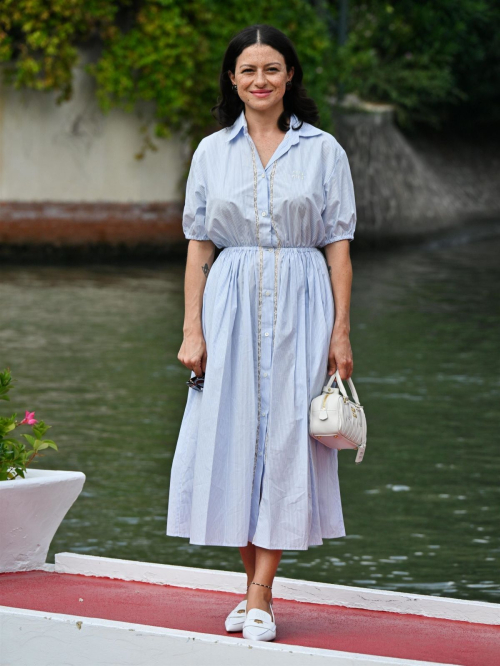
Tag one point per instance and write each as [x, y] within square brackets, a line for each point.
[264, 323]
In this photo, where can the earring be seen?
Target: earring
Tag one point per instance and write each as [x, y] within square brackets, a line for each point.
[235, 87]
[288, 85]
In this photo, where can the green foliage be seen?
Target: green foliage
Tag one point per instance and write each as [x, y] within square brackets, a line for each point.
[14, 455]
[424, 57]
[173, 52]
[38, 39]
[162, 51]
[5, 384]
[415, 54]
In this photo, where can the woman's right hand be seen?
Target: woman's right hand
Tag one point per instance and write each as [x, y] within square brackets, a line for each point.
[193, 352]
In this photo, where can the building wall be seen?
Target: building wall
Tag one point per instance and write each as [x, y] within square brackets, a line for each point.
[72, 152]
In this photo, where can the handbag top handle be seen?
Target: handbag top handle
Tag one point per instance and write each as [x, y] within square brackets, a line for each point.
[336, 376]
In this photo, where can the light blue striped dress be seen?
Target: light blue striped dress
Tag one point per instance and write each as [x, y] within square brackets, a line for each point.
[245, 467]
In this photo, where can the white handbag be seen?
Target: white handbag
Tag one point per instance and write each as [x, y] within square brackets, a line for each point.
[336, 421]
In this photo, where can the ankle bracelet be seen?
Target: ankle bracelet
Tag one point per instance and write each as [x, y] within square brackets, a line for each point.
[263, 585]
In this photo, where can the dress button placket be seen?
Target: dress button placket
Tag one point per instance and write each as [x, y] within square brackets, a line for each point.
[267, 307]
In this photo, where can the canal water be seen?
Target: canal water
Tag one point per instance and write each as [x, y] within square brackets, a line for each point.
[94, 352]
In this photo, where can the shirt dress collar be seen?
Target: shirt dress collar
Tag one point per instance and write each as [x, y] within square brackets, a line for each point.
[241, 124]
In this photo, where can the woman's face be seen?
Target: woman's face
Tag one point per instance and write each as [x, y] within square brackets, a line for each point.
[261, 76]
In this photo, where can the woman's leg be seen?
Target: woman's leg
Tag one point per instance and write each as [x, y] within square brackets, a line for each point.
[248, 557]
[266, 563]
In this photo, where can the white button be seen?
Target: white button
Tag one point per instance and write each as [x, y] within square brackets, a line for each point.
[268, 293]
[266, 334]
[270, 249]
[263, 175]
[264, 213]
[265, 374]
[264, 413]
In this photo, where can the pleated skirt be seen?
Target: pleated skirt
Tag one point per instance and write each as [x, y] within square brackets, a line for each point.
[245, 468]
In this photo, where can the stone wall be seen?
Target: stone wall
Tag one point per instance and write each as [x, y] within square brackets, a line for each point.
[417, 183]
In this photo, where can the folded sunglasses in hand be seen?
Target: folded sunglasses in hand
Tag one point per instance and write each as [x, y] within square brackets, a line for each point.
[196, 383]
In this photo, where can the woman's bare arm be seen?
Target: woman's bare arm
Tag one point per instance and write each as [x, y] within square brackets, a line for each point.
[200, 257]
[338, 260]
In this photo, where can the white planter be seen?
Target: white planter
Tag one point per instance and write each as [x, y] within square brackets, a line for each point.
[31, 511]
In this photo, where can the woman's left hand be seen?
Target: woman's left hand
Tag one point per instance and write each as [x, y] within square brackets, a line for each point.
[340, 355]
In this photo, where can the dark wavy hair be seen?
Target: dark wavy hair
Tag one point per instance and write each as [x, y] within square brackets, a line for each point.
[295, 100]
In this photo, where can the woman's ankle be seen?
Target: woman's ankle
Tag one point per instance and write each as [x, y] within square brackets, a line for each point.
[260, 592]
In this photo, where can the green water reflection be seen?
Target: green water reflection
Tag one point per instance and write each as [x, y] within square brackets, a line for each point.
[94, 352]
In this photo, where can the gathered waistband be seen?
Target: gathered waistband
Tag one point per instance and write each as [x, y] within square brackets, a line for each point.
[271, 247]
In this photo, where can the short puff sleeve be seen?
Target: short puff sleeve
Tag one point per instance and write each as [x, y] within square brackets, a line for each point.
[193, 216]
[339, 213]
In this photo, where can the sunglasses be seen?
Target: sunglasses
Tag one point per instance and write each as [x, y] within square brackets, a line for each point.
[196, 383]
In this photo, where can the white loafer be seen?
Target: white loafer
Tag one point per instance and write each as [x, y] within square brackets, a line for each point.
[260, 625]
[236, 618]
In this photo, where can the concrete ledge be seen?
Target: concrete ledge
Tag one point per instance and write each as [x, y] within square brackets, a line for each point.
[50, 639]
[284, 588]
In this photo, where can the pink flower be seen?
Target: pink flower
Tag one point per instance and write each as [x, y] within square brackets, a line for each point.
[29, 418]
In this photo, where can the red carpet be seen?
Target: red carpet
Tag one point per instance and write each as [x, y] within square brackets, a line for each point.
[314, 625]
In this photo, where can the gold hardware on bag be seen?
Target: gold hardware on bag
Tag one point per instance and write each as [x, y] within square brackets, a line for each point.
[354, 412]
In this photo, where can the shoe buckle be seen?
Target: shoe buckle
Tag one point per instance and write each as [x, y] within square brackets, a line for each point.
[259, 621]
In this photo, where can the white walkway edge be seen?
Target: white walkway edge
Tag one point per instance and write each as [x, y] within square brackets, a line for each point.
[283, 588]
[50, 639]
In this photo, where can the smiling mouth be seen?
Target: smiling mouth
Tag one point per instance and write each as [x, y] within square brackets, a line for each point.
[261, 93]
